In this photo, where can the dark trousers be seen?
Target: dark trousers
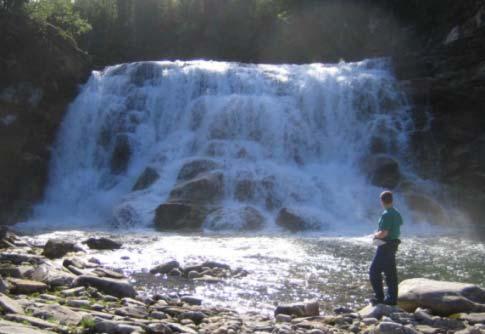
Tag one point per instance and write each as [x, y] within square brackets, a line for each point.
[385, 262]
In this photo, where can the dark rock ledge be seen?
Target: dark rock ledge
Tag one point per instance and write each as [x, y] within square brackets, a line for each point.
[41, 296]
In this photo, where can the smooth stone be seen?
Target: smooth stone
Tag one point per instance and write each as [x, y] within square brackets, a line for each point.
[9, 305]
[52, 276]
[165, 268]
[180, 328]
[57, 248]
[23, 286]
[9, 327]
[108, 286]
[441, 297]
[113, 327]
[378, 311]
[191, 300]
[104, 272]
[102, 244]
[62, 314]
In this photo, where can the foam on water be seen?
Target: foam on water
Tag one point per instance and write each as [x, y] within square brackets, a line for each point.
[298, 132]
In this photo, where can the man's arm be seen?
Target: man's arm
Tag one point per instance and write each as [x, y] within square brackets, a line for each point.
[382, 234]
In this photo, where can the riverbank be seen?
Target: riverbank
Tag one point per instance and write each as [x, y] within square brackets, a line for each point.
[62, 286]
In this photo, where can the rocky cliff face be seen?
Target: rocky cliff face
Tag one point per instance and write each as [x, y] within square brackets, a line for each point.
[446, 83]
[40, 69]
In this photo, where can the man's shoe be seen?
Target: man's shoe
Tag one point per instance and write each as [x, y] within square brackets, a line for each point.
[389, 302]
[375, 301]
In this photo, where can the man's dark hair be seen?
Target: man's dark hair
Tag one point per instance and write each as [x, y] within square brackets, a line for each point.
[386, 197]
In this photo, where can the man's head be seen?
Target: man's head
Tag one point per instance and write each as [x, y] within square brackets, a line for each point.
[386, 199]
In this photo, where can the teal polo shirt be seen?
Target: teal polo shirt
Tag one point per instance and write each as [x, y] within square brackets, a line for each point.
[391, 221]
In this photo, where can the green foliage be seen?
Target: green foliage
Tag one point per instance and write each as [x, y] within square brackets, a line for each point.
[87, 323]
[60, 13]
[12, 5]
[115, 31]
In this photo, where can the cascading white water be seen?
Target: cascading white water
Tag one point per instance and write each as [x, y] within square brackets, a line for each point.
[305, 128]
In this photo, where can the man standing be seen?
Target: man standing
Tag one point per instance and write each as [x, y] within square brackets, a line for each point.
[385, 258]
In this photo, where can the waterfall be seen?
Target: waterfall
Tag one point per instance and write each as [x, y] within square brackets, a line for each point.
[279, 136]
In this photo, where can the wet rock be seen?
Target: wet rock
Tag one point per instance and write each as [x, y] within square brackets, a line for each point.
[179, 216]
[146, 179]
[8, 305]
[165, 268]
[382, 170]
[194, 168]
[291, 221]
[103, 243]
[176, 272]
[121, 155]
[9, 327]
[117, 288]
[205, 189]
[244, 218]
[52, 276]
[191, 300]
[306, 309]
[442, 298]
[62, 314]
[425, 208]
[23, 286]
[378, 311]
[180, 328]
[56, 248]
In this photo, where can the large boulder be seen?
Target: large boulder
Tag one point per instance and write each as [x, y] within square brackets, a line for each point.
[57, 248]
[241, 218]
[205, 188]
[113, 287]
[442, 298]
[177, 216]
[9, 327]
[194, 168]
[382, 170]
[292, 221]
[146, 179]
[121, 155]
[52, 276]
[425, 208]
[103, 243]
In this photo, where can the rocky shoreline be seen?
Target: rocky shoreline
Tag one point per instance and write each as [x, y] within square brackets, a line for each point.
[47, 289]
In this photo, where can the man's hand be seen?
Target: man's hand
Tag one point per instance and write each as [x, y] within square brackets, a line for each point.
[381, 234]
